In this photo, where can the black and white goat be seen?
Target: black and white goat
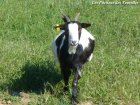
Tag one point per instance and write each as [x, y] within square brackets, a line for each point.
[72, 48]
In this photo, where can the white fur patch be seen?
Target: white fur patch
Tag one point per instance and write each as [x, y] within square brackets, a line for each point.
[54, 47]
[85, 36]
[73, 36]
[72, 50]
[73, 32]
[62, 42]
[54, 50]
[90, 57]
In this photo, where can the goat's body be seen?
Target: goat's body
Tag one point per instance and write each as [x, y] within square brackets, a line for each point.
[72, 48]
[83, 51]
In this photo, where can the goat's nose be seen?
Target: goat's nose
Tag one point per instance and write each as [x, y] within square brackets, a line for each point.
[74, 43]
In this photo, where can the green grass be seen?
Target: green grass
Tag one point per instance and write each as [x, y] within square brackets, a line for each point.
[27, 63]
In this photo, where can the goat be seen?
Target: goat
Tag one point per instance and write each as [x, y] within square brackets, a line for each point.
[72, 48]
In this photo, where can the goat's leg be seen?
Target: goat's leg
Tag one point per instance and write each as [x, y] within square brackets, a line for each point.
[74, 85]
[66, 75]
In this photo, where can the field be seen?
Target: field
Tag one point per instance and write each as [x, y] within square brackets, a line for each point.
[28, 73]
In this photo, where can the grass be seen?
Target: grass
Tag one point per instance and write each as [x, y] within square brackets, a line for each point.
[27, 64]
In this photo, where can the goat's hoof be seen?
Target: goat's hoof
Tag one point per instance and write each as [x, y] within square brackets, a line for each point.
[74, 100]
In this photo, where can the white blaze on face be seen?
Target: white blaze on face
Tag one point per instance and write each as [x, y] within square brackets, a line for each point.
[73, 33]
[73, 37]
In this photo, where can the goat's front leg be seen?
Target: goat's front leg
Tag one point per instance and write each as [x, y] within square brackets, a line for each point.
[74, 85]
[66, 75]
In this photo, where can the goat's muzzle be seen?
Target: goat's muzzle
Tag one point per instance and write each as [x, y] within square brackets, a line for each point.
[74, 43]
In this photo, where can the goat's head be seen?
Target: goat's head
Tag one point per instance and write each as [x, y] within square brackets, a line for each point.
[73, 30]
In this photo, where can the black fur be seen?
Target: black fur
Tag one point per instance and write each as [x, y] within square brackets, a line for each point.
[70, 60]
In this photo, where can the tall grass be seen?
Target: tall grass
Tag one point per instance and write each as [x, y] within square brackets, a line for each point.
[27, 63]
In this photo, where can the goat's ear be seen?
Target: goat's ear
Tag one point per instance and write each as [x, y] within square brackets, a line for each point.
[85, 25]
[59, 26]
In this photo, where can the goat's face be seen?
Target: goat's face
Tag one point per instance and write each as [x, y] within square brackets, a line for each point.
[72, 32]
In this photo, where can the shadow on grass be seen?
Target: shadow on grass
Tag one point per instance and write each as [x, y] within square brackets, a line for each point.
[37, 78]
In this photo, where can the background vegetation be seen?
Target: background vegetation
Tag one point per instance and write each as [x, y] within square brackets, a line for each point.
[27, 64]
